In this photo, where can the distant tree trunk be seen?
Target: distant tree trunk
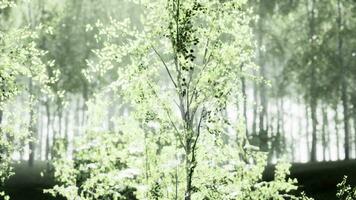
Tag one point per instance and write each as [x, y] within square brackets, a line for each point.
[111, 113]
[85, 107]
[314, 131]
[66, 130]
[243, 88]
[354, 118]
[278, 132]
[32, 128]
[54, 135]
[328, 134]
[254, 114]
[300, 132]
[40, 132]
[307, 128]
[292, 145]
[343, 82]
[312, 99]
[77, 118]
[48, 113]
[263, 132]
[60, 116]
[336, 123]
[273, 132]
[325, 121]
[283, 129]
[1, 113]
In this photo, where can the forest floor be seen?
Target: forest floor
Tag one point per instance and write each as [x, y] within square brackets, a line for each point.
[318, 180]
[28, 182]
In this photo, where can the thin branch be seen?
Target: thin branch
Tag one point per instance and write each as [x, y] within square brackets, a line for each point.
[200, 74]
[169, 116]
[165, 65]
[206, 50]
[199, 125]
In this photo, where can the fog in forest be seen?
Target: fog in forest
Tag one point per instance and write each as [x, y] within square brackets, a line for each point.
[193, 99]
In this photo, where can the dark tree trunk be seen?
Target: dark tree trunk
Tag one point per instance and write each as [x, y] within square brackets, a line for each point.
[324, 129]
[48, 113]
[307, 128]
[40, 147]
[60, 116]
[278, 132]
[300, 131]
[85, 107]
[353, 102]
[263, 132]
[66, 130]
[312, 98]
[32, 128]
[292, 145]
[243, 88]
[54, 134]
[77, 118]
[111, 114]
[283, 142]
[1, 113]
[354, 119]
[336, 124]
[344, 98]
[254, 114]
[314, 131]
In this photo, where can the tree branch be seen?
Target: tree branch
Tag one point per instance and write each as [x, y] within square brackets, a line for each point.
[165, 65]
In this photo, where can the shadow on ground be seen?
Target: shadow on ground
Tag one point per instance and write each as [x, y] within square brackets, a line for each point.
[318, 180]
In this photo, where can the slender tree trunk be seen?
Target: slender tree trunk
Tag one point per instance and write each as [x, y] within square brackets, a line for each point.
[1, 134]
[354, 119]
[343, 83]
[40, 146]
[273, 151]
[314, 132]
[263, 132]
[307, 128]
[243, 88]
[283, 128]
[60, 116]
[48, 113]
[85, 107]
[328, 134]
[336, 123]
[190, 162]
[176, 171]
[278, 132]
[111, 113]
[329, 140]
[300, 131]
[325, 121]
[292, 145]
[188, 189]
[313, 100]
[66, 130]
[77, 118]
[54, 135]
[254, 114]
[32, 128]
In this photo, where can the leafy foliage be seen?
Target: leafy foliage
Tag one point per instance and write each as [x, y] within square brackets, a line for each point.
[198, 47]
[98, 170]
[345, 192]
[20, 61]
